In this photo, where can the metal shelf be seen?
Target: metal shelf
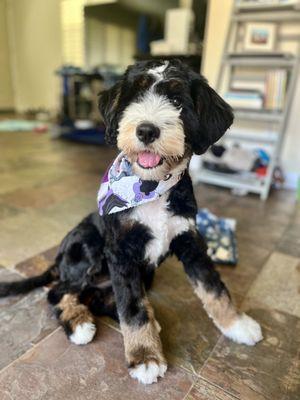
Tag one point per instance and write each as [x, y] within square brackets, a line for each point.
[266, 7]
[232, 181]
[270, 55]
[260, 136]
[263, 116]
[280, 13]
[267, 16]
[257, 61]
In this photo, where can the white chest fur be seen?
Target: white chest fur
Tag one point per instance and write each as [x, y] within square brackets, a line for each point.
[163, 226]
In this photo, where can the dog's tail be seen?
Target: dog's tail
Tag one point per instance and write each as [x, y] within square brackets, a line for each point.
[26, 285]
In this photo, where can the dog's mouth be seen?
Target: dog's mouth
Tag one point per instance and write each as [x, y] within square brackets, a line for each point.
[149, 160]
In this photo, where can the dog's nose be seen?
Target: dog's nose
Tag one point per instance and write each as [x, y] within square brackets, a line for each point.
[147, 132]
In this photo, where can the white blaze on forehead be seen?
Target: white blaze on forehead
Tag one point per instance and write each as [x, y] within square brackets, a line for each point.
[159, 71]
[157, 109]
[153, 108]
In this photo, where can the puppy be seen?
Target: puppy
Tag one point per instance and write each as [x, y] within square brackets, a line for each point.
[159, 114]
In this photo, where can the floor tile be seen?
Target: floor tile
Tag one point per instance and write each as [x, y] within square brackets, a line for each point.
[68, 213]
[27, 234]
[261, 233]
[270, 370]
[290, 241]
[203, 390]
[30, 177]
[6, 275]
[37, 264]
[35, 231]
[23, 324]
[278, 284]
[7, 210]
[188, 334]
[56, 369]
[43, 196]
[239, 278]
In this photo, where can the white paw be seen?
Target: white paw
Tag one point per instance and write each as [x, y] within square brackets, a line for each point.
[83, 334]
[148, 373]
[245, 330]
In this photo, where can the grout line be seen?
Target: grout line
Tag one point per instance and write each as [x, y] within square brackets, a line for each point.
[213, 349]
[189, 391]
[219, 387]
[30, 349]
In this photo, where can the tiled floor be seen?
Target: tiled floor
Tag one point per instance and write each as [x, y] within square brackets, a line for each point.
[48, 186]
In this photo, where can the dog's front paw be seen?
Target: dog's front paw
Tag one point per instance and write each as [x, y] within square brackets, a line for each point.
[244, 330]
[83, 334]
[148, 372]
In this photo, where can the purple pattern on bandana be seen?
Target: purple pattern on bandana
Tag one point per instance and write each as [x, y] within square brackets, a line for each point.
[121, 189]
[110, 201]
[105, 176]
[139, 195]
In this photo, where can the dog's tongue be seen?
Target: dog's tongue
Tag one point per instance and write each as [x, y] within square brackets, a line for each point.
[148, 160]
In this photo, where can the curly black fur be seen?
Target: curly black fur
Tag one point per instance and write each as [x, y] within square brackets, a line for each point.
[114, 247]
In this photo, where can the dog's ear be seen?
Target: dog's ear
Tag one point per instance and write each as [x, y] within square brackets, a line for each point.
[108, 107]
[214, 115]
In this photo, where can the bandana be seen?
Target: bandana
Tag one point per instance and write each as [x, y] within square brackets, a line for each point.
[120, 189]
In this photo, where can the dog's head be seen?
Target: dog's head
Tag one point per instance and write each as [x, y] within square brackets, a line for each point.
[160, 113]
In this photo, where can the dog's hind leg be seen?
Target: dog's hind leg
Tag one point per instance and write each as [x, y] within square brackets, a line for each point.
[75, 317]
[191, 249]
[100, 301]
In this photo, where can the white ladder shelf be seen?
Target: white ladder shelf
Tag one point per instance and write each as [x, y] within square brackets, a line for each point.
[241, 13]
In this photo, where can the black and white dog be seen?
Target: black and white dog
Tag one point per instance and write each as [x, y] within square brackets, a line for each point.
[159, 114]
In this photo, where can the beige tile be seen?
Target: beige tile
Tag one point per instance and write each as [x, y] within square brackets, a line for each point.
[270, 370]
[35, 231]
[203, 390]
[56, 369]
[278, 284]
[37, 264]
[7, 210]
[45, 195]
[27, 234]
[70, 212]
[30, 177]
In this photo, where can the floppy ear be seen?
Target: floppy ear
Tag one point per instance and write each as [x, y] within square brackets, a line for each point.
[108, 106]
[214, 115]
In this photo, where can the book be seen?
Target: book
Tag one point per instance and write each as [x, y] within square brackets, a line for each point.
[243, 84]
[244, 99]
[276, 83]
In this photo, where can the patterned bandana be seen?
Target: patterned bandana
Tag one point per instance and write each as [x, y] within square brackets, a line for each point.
[120, 189]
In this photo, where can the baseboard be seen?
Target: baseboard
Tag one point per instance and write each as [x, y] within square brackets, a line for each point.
[292, 180]
[7, 111]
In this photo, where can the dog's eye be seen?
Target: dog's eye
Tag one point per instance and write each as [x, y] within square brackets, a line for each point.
[176, 101]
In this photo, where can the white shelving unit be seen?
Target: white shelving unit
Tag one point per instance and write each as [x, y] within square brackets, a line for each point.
[276, 121]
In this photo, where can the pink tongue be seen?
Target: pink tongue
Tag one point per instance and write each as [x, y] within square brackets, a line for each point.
[148, 160]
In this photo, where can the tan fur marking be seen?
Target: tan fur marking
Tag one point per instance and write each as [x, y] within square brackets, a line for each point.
[143, 344]
[220, 309]
[73, 312]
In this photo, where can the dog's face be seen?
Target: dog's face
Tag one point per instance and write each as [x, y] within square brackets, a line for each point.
[161, 113]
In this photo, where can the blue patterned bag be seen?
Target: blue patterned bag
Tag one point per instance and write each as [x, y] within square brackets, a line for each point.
[220, 237]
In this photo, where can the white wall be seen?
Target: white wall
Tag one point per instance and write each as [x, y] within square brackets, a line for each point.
[218, 16]
[6, 88]
[108, 43]
[35, 52]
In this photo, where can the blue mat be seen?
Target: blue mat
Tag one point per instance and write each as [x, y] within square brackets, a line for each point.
[220, 237]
